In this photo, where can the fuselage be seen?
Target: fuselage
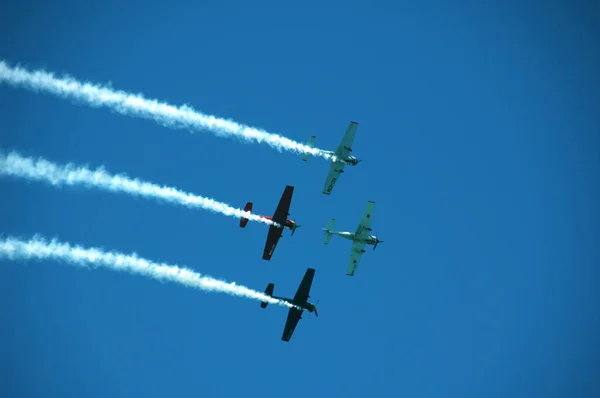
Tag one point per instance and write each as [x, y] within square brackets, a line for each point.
[349, 160]
[288, 223]
[306, 306]
[369, 239]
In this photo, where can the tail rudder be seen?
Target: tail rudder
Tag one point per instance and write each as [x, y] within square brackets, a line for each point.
[244, 221]
[268, 292]
[328, 230]
[311, 144]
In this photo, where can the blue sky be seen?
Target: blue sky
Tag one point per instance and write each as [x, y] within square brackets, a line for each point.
[479, 134]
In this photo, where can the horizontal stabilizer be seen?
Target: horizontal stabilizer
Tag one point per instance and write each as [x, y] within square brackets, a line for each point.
[310, 143]
[244, 221]
[268, 292]
[328, 230]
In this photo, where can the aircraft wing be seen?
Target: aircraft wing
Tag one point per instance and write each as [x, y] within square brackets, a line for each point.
[335, 169]
[272, 240]
[355, 255]
[283, 207]
[303, 291]
[365, 222]
[345, 147]
[291, 322]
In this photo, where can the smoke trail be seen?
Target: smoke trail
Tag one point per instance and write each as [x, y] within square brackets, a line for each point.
[15, 165]
[136, 105]
[39, 248]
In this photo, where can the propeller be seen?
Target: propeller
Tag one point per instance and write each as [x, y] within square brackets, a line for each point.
[316, 313]
[295, 226]
[377, 241]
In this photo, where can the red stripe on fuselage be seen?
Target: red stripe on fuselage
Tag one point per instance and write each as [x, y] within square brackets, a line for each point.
[288, 223]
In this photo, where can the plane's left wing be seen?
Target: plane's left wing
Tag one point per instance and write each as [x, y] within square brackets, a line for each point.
[355, 255]
[334, 173]
[272, 240]
[291, 322]
[365, 222]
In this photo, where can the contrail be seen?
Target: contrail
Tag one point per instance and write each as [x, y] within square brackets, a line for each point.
[136, 105]
[39, 248]
[40, 169]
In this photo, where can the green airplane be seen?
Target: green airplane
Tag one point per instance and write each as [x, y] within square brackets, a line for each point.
[360, 238]
[342, 154]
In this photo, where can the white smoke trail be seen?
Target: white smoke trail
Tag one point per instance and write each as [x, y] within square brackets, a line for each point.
[15, 165]
[39, 248]
[136, 105]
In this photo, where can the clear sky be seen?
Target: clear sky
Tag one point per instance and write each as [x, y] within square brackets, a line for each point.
[479, 134]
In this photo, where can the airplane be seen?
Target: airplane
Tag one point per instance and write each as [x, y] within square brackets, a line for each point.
[342, 154]
[359, 239]
[300, 300]
[280, 217]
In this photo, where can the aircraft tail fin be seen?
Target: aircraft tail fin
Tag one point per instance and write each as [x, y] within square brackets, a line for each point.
[268, 292]
[310, 143]
[244, 221]
[328, 230]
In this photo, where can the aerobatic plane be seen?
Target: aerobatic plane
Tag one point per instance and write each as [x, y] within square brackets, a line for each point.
[359, 239]
[280, 217]
[299, 300]
[342, 155]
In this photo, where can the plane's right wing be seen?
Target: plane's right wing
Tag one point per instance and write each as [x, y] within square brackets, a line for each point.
[283, 208]
[345, 147]
[355, 255]
[303, 291]
[334, 173]
[365, 222]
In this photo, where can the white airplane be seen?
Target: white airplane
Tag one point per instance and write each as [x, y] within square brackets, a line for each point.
[359, 239]
[342, 155]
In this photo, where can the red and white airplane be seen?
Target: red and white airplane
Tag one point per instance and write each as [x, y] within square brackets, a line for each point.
[280, 217]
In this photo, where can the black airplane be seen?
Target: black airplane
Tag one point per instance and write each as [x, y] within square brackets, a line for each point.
[299, 300]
